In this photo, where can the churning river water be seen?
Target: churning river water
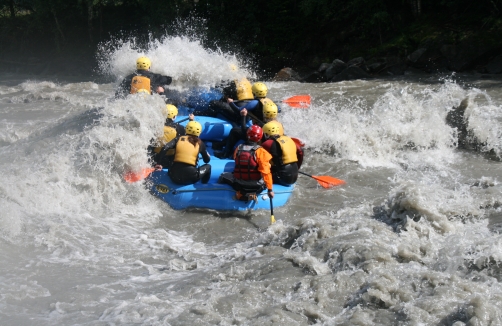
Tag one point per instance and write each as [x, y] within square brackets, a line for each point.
[413, 238]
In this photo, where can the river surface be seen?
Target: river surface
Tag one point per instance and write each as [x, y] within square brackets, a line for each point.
[413, 238]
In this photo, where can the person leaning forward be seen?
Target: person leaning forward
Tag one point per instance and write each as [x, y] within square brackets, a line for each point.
[287, 155]
[252, 172]
[142, 80]
[162, 150]
[185, 169]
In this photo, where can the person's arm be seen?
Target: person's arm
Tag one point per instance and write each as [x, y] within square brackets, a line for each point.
[168, 146]
[299, 155]
[263, 158]
[158, 82]
[253, 105]
[203, 151]
[233, 105]
[274, 149]
[267, 144]
[165, 80]
[124, 87]
[244, 113]
[180, 130]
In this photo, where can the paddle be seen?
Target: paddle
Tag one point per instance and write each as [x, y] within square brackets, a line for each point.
[325, 181]
[183, 120]
[298, 101]
[131, 176]
[272, 218]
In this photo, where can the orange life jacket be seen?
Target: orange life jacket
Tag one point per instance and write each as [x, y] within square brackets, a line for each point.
[140, 83]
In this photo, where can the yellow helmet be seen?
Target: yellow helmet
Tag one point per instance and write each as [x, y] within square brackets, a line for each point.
[273, 128]
[170, 111]
[270, 109]
[142, 90]
[193, 128]
[244, 91]
[259, 89]
[143, 63]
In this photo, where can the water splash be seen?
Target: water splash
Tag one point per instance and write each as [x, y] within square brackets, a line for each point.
[184, 58]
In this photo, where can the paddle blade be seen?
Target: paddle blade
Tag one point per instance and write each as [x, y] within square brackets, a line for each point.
[272, 219]
[328, 182]
[298, 101]
[132, 177]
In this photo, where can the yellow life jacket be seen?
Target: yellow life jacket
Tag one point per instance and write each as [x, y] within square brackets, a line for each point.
[169, 134]
[264, 100]
[186, 152]
[244, 89]
[288, 147]
[140, 83]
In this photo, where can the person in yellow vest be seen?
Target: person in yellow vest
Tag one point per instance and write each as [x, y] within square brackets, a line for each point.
[285, 154]
[162, 153]
[245, 99]
[142, 80]
[185, 169]
[236, 96]
[269, 113]
[260, 91]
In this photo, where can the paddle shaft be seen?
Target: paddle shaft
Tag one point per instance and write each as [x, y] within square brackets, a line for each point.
[272, 218]
[308, 175]
[261, 123]
[325, 181]
[182, 120]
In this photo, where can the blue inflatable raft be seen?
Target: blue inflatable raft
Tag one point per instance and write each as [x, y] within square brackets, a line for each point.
[212, 195]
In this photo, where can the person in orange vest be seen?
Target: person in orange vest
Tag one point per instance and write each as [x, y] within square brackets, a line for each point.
[252, 172]
[287, 154]
[185, 169]
[142, 80]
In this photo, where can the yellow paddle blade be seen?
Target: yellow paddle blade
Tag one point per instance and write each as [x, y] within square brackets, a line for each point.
[131, 176]
[272, 219]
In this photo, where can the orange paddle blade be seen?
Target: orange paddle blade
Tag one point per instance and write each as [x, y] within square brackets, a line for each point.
[131, 177]
[298, 101]
[328, 182]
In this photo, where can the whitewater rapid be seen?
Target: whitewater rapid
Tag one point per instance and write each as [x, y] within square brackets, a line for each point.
[413, 238]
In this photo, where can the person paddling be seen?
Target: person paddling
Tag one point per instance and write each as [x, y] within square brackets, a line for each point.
[142, 80]
[252, 172]
[260, 91]
[163, 152]
[287, 154]
[268, 112]
[185, 169]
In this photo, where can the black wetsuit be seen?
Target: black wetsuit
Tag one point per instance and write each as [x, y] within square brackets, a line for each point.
[166, 156]
[283, 174]
[186, 174]
[236, 134]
